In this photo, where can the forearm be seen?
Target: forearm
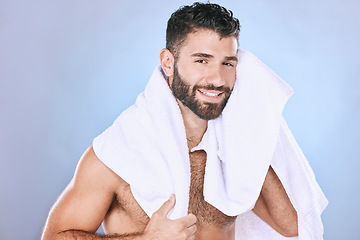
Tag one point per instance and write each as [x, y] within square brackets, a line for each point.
[274, 206]
[83, 235]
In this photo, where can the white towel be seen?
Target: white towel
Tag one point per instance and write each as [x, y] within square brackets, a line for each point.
[251, 227]
[147, 147]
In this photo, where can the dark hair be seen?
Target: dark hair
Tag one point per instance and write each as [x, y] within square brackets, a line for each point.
[188, 19]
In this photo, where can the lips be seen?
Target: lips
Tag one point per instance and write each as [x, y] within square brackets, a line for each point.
[210, 94]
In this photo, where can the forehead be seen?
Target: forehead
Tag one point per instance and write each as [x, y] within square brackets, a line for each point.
[209, 41]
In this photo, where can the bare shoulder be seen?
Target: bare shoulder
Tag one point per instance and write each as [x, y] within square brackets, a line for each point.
[91, 169]
[86, 200]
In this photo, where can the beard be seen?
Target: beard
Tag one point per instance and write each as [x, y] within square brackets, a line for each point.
[187, 95]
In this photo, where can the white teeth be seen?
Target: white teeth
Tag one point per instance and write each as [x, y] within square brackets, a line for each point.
[210, 94]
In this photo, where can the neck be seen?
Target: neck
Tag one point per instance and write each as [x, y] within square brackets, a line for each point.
[195, 127]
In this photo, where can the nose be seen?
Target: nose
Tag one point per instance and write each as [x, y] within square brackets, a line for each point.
[215, 77]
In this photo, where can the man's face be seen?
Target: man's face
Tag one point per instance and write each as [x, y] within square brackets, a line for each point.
[205, 73]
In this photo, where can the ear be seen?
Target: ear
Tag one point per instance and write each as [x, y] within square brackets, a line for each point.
[167, 62]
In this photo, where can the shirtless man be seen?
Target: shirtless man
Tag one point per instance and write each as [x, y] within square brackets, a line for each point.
[200, 62]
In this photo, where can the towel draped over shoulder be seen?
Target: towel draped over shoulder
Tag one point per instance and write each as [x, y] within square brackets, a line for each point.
[146, 146]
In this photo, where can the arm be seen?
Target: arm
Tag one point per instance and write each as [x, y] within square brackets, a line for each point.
[83, 205]
[275, 208]
[85, 201]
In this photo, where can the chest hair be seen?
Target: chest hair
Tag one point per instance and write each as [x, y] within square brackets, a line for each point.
[206, 214]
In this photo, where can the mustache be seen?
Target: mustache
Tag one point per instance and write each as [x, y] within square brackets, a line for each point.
[212, 87]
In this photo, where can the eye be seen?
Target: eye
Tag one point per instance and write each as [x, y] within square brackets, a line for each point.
[228, 64]
[200, 61]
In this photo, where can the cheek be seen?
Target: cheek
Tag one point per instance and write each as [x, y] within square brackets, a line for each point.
[192, 75]
[230, 78]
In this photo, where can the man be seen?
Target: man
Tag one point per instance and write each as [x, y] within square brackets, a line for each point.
[199, 65]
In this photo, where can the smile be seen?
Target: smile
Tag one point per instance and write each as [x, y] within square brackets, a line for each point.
[210, 94]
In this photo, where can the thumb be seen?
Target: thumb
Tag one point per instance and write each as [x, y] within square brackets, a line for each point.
[167, 206]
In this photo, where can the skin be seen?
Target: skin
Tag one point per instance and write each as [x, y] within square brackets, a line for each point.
[96, 194]
[273, 205]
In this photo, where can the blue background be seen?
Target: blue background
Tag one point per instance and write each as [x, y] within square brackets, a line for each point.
[69, 68]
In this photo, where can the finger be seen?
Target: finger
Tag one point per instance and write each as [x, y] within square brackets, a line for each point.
[190, 231]
[167, 206]
[187, 221]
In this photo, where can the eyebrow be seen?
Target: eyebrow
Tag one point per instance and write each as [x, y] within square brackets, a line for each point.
[232, 58]
[206, 55]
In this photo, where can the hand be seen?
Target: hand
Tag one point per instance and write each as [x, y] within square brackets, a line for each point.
[162, 228]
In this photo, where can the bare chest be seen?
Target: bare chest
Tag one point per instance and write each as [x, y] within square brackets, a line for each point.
[206, 214]
[126, 215]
